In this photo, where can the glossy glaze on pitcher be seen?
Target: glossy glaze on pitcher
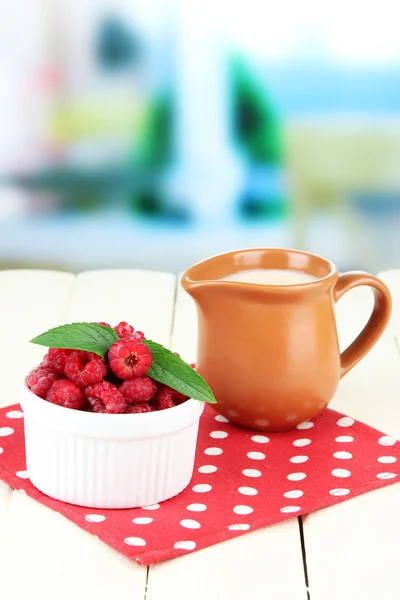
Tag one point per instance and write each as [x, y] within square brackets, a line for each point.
[271, 353]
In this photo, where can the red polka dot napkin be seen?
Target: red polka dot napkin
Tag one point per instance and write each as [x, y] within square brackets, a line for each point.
[242, 481]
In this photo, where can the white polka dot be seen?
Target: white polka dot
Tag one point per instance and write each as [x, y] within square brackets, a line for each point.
[251, 473]
[196, 507]
[151, 507]
[290, 509]
[4, 431]
[386, 475]
[186, 545]
[221, 419]
[202, 487]
[301, 442]
[293, 494]
[239, 527]
[190, 524]
[1, 450]
[344, 439]
[298, 459]
[256, 455]
[345, 422]
[386, 440]
[341, 473]
[95, 518]
[247, 491]
[241, 509]
[305, 425]
[296, 476]
[260, 439]
[22, 474]
[142, 520]
[213, 451]
[387, 459]
[218, 435]
[134, 541]
[261, 422]
[343, 455]
[207, 469]
[339, 492]
[15, 414]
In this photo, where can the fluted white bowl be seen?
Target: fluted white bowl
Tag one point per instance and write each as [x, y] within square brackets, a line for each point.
[109, 461]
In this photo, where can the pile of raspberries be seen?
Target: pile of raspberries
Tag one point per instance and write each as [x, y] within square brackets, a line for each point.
[84, 381]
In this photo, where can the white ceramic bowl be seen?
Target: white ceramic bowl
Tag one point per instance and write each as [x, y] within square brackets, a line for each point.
[109, 461]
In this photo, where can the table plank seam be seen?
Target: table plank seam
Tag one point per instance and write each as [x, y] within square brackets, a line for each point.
[146, 582]
[304, 555]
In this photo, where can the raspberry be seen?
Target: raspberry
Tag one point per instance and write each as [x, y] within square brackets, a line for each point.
[138, 335]
[139, 408]
[103, 323]
[193, 365]
[164, 401]
[85, 368]
[124, 330]
[56, 359]
[105, 397]
[129, 358]
[166, 397]
[65, 393]
[40, 380]
[138, 390]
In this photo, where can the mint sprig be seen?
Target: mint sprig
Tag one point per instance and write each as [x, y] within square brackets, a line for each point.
[90, 337]
[166, 367]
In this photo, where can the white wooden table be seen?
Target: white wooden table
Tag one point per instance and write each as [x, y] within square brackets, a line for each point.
[351, 551]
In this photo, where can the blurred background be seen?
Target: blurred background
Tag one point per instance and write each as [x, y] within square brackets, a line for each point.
[155, 133]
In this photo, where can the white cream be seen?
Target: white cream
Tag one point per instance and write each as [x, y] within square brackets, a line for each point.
[270, 277]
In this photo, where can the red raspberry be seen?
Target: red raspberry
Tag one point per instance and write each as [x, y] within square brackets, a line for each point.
[95, 404]
[129, 358]
[138, 390]
[124, 330]
[138, 335]
[166, 397]
[164, 401]
[193, 365]
[85, 368]
[103, 323]
[139, 408]
[65, 393]
[105, 397]
[40, 380]
[56, 359]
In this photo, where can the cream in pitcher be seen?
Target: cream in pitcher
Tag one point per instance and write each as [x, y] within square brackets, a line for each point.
[270, 277]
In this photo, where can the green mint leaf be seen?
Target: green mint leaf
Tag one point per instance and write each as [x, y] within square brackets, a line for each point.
[171, 370]
[90, 337]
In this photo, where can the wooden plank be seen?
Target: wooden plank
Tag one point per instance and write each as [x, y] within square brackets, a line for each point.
[392, 280]
[266, 563]
[5, 497]
[143, 298]
[43, 555]
[30, 302]
[59, 560]
[360, 538]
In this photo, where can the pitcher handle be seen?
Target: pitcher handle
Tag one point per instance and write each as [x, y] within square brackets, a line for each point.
[377, 322]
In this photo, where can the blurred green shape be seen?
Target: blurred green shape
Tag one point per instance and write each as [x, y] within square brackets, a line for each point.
[256, 125]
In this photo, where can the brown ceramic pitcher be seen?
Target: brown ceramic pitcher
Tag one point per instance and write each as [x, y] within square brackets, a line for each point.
[270, 353]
